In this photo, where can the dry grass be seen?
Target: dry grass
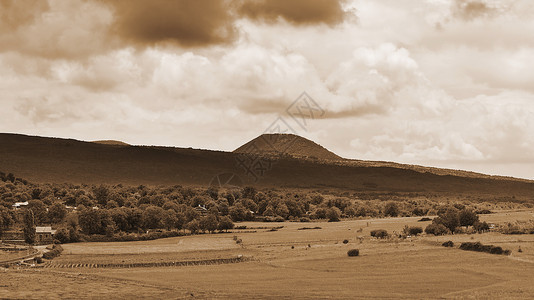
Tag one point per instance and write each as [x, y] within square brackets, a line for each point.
[394, 268]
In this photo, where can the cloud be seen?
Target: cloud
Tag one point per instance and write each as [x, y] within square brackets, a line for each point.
[471, 9]
[54, 29]
[299, 12]
[187, 23]
[15, 14]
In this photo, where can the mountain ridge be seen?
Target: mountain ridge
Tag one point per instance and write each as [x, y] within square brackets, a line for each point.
[42, 159]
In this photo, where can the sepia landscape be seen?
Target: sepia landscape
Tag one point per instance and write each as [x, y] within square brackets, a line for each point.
[266, 149]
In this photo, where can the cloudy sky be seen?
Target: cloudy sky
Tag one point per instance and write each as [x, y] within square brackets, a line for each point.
[438, 82]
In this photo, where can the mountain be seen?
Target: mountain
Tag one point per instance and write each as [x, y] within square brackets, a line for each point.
[42, 159]
[286, 144]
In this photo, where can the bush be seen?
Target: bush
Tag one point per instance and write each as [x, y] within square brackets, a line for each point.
[353, 252]
[436, 229]
[479, 247]
[305, 219]
[55, 252]
[345, 241]
[333, 214]
[480, 226]
[424, 219]
[379, 233]
[448, 244]
[412, 230]
[449, 218]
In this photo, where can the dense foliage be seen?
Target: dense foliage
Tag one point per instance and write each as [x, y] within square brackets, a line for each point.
[117, 211]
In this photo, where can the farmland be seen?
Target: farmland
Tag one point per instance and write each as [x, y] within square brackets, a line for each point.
[289, 262]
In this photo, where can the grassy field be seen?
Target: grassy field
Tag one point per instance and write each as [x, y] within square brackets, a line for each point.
[293, 263]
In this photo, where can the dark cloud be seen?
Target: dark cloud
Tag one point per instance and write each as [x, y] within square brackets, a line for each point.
[188, 23]
[15, 13]
[298, 12]
[468, 10]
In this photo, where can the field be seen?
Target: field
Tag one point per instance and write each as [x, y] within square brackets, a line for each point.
[291, 263]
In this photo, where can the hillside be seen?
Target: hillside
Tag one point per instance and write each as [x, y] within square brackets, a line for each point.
[286, 144]
[42, 159]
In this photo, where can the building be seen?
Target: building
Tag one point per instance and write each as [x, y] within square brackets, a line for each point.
[18, 205]
[44, 235]
[201, 210]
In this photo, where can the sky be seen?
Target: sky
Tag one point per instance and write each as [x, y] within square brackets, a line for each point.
[442, 83]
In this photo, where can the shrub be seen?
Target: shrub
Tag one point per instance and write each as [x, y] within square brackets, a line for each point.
[467, 217]
[345, 241]
[309, 228]
[424, 219]
[353, 252]
[412, 230]
[55, 252]
[448, 244]
[379, 233]
[480, 226]
[305, 219]
[279, 219]
[391, 209]
[479, 247]
[448, 218]
[333, 214]
[436, 229]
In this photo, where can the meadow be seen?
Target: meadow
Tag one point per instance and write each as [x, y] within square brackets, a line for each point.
[293, 263]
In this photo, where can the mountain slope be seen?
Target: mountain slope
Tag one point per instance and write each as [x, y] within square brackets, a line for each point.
[41, 159]
[286, 144]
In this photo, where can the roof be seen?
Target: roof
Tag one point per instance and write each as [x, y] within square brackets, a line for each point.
[44, 229]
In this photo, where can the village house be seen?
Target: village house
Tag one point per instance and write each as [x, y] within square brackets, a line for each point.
[43, 235]
[18, 205]
[201, 210]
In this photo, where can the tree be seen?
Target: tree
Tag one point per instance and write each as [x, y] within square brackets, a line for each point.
[5, 219]
[333, 214]
[248, 192]
[101, 194]
[56, 213]
[391, 209]
[238, 212]
[39, 210]
[193, 226]
[29, 227]
[481, 226]
[436, 229]
[94, 221]
[225, 223]
[449, 218]
[153, 217]
[412, 230]
[169, 219]
[208, 223]
[282, 210]
[467, 217]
